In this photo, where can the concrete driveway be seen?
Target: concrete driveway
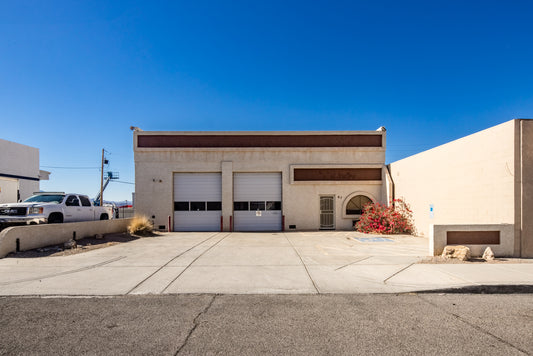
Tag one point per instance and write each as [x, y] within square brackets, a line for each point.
[244, 263]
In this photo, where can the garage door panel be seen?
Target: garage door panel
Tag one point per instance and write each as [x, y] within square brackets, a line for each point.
[249, 221]
[8, 190]
[253, 193]
[197, 187]
[257, 186]
[197, 201]
[197, 220]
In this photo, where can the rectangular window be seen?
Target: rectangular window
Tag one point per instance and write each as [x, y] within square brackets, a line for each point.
[336, 174]
[214, 205]
[240, 206]
[273, 205]
[197, 205]
[72, 200]
[181, 206]
[85, 201]
[217, 141]
[257, 205]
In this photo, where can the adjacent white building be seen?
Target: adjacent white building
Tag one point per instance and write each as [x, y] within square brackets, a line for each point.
[19, 171]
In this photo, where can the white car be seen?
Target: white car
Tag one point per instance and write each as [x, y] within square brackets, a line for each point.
[53, 207]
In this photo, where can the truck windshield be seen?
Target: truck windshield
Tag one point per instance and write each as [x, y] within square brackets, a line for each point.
[45, 198]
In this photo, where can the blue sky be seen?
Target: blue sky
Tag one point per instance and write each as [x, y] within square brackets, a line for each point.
[75, 75]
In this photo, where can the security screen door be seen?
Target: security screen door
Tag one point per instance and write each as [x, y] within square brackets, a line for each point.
[327, 213]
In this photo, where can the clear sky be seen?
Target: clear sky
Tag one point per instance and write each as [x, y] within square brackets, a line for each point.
[75, 75]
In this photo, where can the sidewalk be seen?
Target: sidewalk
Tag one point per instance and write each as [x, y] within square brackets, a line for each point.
[256, 263]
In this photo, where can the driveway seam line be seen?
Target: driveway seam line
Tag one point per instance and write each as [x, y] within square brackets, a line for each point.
[351, 263]
[455, 276]
[64, 272]
[190, 264]
[195, 324]
[478, 328]
[172, 259]
[397, 272]
[301, 259]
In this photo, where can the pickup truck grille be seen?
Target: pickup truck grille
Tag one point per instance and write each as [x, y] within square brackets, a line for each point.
[13, 211]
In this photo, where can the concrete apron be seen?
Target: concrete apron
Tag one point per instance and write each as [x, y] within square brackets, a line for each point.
[250, 263]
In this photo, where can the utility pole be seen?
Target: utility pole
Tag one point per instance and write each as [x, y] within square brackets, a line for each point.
[102, 181]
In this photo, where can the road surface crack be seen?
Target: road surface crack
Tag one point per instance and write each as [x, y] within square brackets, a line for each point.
[196, 322]
[478, 328]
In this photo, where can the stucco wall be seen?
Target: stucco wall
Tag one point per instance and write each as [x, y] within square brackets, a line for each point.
[20, 160]
[154, 168]
[467, 181]
[8, 190]
[35, 236]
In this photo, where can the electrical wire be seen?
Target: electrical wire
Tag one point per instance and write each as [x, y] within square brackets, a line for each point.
[70, 167]
[119, 181]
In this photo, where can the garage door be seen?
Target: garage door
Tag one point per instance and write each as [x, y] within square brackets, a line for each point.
[197, 201]
[257, 201]
[8, 190]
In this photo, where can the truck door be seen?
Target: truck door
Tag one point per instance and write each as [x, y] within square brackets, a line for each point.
[87, 210]
[72, 209]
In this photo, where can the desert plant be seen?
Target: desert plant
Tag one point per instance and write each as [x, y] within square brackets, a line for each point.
[397, 218]
[140, 225]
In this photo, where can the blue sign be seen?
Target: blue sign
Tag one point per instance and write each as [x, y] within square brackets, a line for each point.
[373, 239]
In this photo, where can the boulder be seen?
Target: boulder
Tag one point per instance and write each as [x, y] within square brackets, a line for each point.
[488, 255]
[459, 252]
[70, 244]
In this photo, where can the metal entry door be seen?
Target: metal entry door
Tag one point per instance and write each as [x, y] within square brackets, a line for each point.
[327, 213]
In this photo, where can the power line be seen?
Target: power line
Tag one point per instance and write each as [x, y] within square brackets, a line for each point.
[70, 167]
[119, 181]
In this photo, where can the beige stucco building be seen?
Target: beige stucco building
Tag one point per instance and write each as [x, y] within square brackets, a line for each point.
[258, 181]
[19, 171]
[476, 190]
[485, 178]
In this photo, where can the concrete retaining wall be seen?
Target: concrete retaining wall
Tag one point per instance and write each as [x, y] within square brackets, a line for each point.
[35, 236]
[438, 238]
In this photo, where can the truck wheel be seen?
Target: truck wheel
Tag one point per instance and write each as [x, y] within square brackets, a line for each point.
[55, 218]
[104, 217]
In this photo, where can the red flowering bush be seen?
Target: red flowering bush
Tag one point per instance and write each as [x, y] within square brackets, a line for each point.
[394, 219]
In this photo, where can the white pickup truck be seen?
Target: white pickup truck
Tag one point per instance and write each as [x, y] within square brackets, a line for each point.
[53, 207]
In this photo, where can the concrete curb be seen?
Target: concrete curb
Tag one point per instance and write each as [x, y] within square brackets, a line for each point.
[484, 289]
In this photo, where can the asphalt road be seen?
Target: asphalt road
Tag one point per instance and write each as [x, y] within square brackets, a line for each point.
[423, 324]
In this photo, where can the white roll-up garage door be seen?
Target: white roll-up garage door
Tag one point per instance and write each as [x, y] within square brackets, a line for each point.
[257, 201]
[197, 201]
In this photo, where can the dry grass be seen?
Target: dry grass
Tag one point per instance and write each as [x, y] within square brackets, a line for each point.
[140, 226]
